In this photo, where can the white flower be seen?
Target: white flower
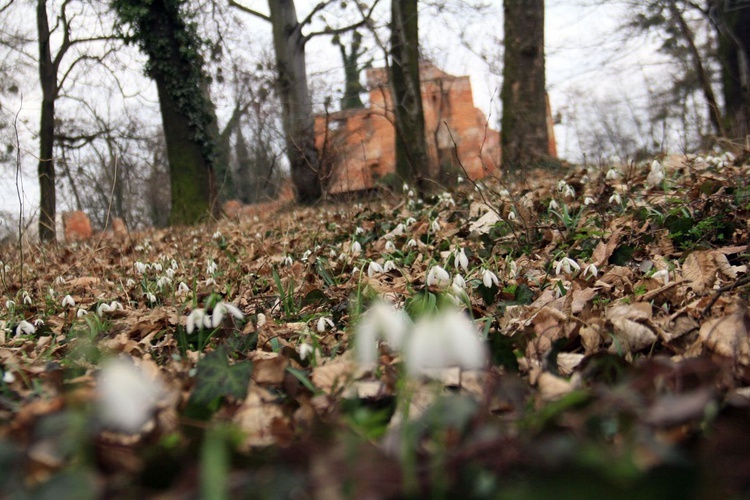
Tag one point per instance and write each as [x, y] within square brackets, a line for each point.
[374, 268]
[211, 266]
[38, 322]
[305, 350]
[567, 265]
[410, 194]
[221, 309]
[163, 281]
[444, 340]
[322, 322]
[459, 179]
[461, 261]
[591, 270]
[381, 321]
[127, 396]
[80, 313]
[615, 199]
[174, 265]
[9, 304]
[553, 205]
[182, 288]
[25, 327]
[59, 280]
[411, 243]
[196, 320]
[68, 301]
[438, 276]
[140, 267]
[150, 297]
[489, 278]
[105, 308]
[409, 221]
[512, 269]
[210, 282]
[389, 266]
[26, 299]
[356, 248]
[656, 175]
[157, 267]
[511, 215]
[169, 273]
[217, 235]
[588, 201]
[359, 230]
[129, 283]
[504, 193]
[390, 247]
[405, 187]
[569, 192]
[8, 377]
[663, 275]
[459, 283]
[435, 226]
[612, 174]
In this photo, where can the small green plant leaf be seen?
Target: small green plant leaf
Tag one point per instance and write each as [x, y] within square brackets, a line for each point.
[217, 378]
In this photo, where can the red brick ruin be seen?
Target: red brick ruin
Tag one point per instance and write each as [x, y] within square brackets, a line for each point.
[359, 144]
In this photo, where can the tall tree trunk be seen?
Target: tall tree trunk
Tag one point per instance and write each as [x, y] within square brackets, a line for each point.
[296, 106]
[733, 27]
[46, 167]
[524, 121]
[352, 70]
[714, 111]
[188, 115]
[412, 163]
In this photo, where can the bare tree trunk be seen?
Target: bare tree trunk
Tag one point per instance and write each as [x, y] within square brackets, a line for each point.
[714, 111]
[524, 121]
[412, 163]
[46, 168]
[733, 27]
[296, 106]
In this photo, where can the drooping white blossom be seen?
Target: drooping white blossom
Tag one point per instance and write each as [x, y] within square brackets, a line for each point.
[567, 265]
[461, 260]
[323, 322]
[374, 268]
[438, 276]
[382, 321]
[68, 301]
[127, 397]
[489, 278]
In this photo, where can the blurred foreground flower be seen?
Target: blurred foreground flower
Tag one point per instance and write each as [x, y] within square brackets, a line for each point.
[381, 321]
[656, 175]
[127, 396]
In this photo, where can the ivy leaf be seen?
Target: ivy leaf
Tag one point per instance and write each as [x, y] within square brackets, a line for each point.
[216, 378]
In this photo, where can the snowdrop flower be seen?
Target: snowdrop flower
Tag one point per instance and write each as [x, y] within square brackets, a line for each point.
[459, 179]
[435, 226]
[26, 299]
[390, 247]
[461, 260]
[8, 377]
[38, 322]
[588, 201]
[322, 322]
[612, 174]
[105, 308]
[211, 266]
[411, 243]
[150, 297]
[182, 288]
[197, 320]
[305, 350]
[512, 269]
[356, 248]
[332, 253]
[306, 255]
[9, 304]
[410, 194]
[591, 270]
[504, 193]
[410, 221]
[662, 275]
[169, 273]
[68, 301]
[129, 283]
[223, 308]
[511, 215]
[163, 281]
[25, 327]
[174, 265]
[355, 270]
[459, 283]
[405, 187]
[359, 230]
[389, 266]
[567, 265]
[381, 321]
[559, 288]
[80, 313]
[59, 280]
[398, 230]
[444, 340]
[157, 267]
[569, 192]
[210, 282]
[217, 235]
[127, 396]
[438, 276]
[287, 260]
[615, 199]
[374, 268]
[489, 278]
[553, 205]
[656, 175]
[140, 267]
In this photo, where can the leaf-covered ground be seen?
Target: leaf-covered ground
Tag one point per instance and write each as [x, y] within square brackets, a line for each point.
[223, 360]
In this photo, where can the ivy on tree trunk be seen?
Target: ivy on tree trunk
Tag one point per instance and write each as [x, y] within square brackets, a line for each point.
[524, 122]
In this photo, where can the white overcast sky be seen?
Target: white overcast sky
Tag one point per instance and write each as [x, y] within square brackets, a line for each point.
[583, 59]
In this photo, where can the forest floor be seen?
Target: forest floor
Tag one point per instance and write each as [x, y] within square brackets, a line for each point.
[607, 352]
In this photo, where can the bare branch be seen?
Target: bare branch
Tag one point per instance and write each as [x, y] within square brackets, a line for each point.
[248, 10]
[344, 29]
[315, 10]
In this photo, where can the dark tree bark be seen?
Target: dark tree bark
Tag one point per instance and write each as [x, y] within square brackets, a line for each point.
[524, 122]
[714, 112]
[188, 116]
[733, 27]
[412, 163]
[296, 106]
[46, 167]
